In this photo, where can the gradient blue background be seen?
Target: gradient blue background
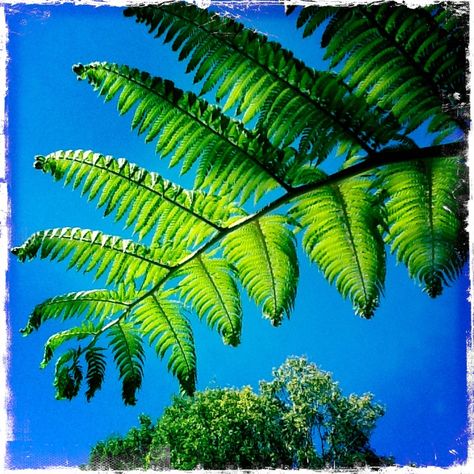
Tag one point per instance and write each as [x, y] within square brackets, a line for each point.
[411, 355]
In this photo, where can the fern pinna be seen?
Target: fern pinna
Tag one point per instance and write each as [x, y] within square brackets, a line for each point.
[274, 125]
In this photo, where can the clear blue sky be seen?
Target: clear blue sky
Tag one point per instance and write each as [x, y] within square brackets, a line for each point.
[411, 355]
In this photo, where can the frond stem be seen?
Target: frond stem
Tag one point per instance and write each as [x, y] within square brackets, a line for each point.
[382, 158]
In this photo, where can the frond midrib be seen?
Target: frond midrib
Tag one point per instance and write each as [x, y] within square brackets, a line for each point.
[382, 158]
[388, 157]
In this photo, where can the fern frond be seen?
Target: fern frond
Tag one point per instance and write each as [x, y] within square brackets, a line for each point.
[425, 204]
[210, 289]
[343, 239]
[454, 19]
[310, 18]
[129, 356]
[401, 59]
[232, 160]
[95, 374]
[89, 305]
[263, 254]
[162, 321]
[93, 251]
[87, 329]
[263, 81]
[68, 377]
[144, 199]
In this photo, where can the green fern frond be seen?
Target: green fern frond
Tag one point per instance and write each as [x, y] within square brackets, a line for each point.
[100, 304]
[144, 199]
[232, 160]
[129, 356]
[263, 254]
[162, 321]
[87, 329]
[454, 19]
[68, 377]
[210, 289]
[425, 205]
[343, 239]
[397, 68]
[401, 59]
[95, 374]
[312, 17]
[263, 81]
[92, 251]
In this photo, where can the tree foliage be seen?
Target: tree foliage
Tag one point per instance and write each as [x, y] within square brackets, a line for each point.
[299, 420]
[274, 124]
[123, 452]
[323, 427]
[222, 429]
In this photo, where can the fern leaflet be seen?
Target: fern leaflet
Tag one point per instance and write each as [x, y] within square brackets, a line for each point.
[232, 160]
[161, 319]
[127, 348]
[425, 219]
[343, 239]
[263, 254]
[144, 199]
[93, 251]
[210, 289]
[95, 359]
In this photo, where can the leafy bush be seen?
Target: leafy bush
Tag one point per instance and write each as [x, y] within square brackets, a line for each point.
[323, 427]
[223, 428]
[230, 428]
[128, 452]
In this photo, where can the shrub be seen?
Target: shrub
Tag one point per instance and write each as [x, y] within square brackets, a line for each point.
[223, 428]
[323, 427]
[300, 419]
[124, 453]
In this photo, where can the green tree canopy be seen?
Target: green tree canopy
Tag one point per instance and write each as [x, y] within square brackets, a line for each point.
[272, 125]
[124, 453]
[223, 428]
[323, 426]
[299, 419]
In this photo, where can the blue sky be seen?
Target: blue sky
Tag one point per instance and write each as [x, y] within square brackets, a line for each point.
[411, 355]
